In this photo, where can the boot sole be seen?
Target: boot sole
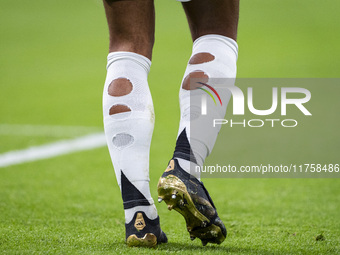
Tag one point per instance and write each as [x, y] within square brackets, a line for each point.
[148, 240]
[198, 225]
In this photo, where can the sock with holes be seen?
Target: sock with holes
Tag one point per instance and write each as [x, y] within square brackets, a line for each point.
[212, 63]
[128, 123]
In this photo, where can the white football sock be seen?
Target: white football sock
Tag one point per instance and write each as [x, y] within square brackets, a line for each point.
[213, 60]
[128, 123]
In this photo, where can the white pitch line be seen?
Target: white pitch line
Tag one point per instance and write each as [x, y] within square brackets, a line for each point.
[50, 150]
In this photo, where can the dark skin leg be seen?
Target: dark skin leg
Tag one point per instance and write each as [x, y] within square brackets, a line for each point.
[132, 22]
[131, 25]
[212, 17]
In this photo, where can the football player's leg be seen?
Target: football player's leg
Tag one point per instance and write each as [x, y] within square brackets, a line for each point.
[129, 115]
[213, 25]
[131, 26]
[212, 17]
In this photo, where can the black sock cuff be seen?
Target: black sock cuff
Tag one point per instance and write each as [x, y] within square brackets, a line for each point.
[132, 197]
[183, 148]
[134, 203]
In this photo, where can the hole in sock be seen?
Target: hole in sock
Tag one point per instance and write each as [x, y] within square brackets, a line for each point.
[199, 76]
[119, 108]
[120, 87]
[122, 140]
[201, 58]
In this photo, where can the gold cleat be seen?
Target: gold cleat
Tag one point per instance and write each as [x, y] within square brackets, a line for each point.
[188, 196]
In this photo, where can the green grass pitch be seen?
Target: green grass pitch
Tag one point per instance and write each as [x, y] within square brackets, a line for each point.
[52, 71]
